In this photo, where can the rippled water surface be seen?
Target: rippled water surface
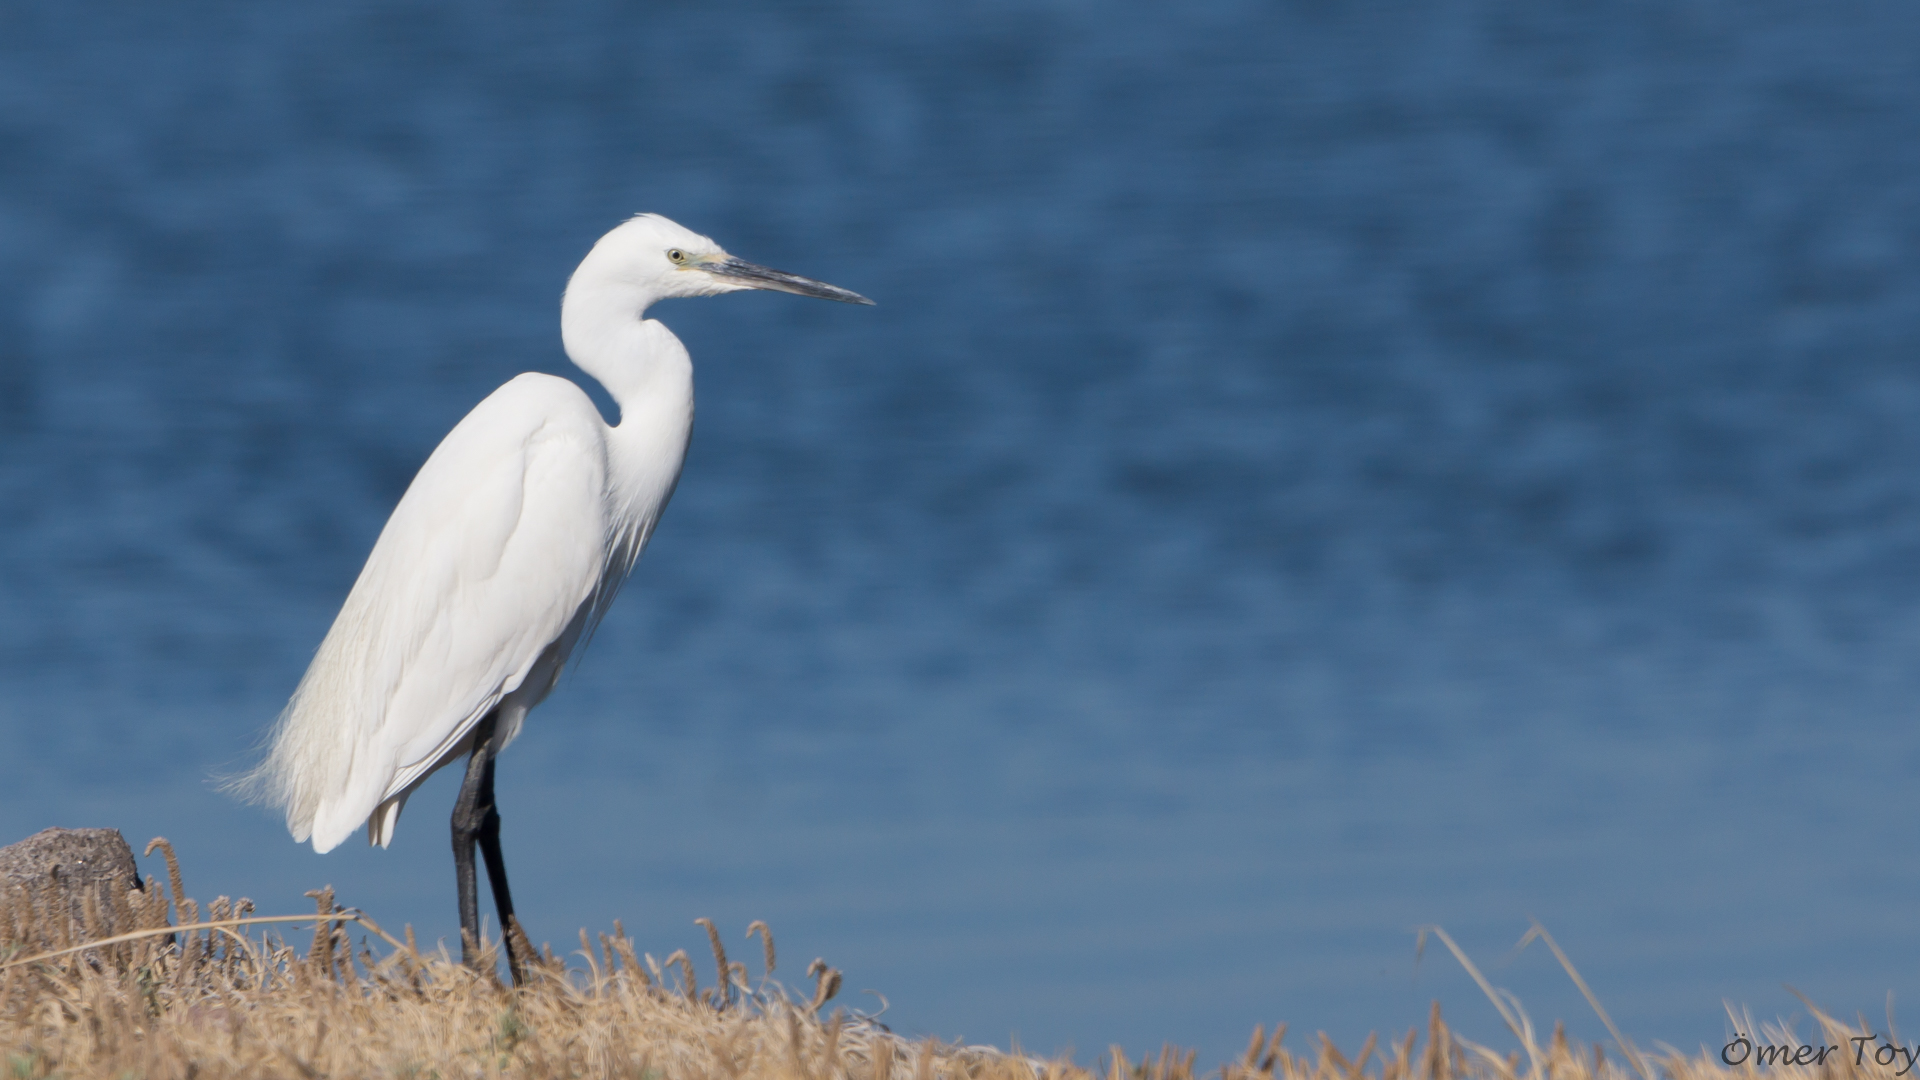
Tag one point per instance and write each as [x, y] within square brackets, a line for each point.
[1315, 470]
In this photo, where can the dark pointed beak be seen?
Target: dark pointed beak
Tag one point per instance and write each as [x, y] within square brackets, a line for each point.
[755, 276]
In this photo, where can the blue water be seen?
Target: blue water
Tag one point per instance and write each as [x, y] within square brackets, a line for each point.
[1315, 470]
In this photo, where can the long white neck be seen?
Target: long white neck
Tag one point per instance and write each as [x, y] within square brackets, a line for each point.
[607, 335]
[649, 376]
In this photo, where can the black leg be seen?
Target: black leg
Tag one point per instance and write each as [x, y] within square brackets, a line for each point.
[475, 819]
[489, 838]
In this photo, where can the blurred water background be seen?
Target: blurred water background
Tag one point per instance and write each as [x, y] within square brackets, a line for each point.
[1315, 470]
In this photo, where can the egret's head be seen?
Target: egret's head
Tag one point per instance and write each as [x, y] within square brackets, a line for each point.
[662, 259]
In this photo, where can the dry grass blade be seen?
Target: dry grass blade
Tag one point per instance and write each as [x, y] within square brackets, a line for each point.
[826, 983]
[519, 951]
[832, 1041]
[1514, 1023]
[1250, 1061]
[766, 940]
[1272, 1055]
[593, 965]
[139, 1004]
[1366, 1052]
[627, 960]
[254, 920]
[1540, 932]
[923, 1064]
[322, 953]
[1331, 1054]
[723, 993]
[689, 988]
[1439, 1063]
[173, 873]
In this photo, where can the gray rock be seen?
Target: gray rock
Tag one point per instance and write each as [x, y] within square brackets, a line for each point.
[56, 865]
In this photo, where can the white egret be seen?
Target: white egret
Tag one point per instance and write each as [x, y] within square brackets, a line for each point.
[507, 547]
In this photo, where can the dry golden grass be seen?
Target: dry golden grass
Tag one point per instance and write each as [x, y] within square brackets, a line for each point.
[192, 998]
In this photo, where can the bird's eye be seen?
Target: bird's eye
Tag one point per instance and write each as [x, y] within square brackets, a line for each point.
[676, 256]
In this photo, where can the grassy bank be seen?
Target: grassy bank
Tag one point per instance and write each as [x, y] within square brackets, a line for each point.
[154, 988]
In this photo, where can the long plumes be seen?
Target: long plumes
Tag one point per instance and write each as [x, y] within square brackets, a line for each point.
[305, 751]
[311, 747]
[629, 529]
